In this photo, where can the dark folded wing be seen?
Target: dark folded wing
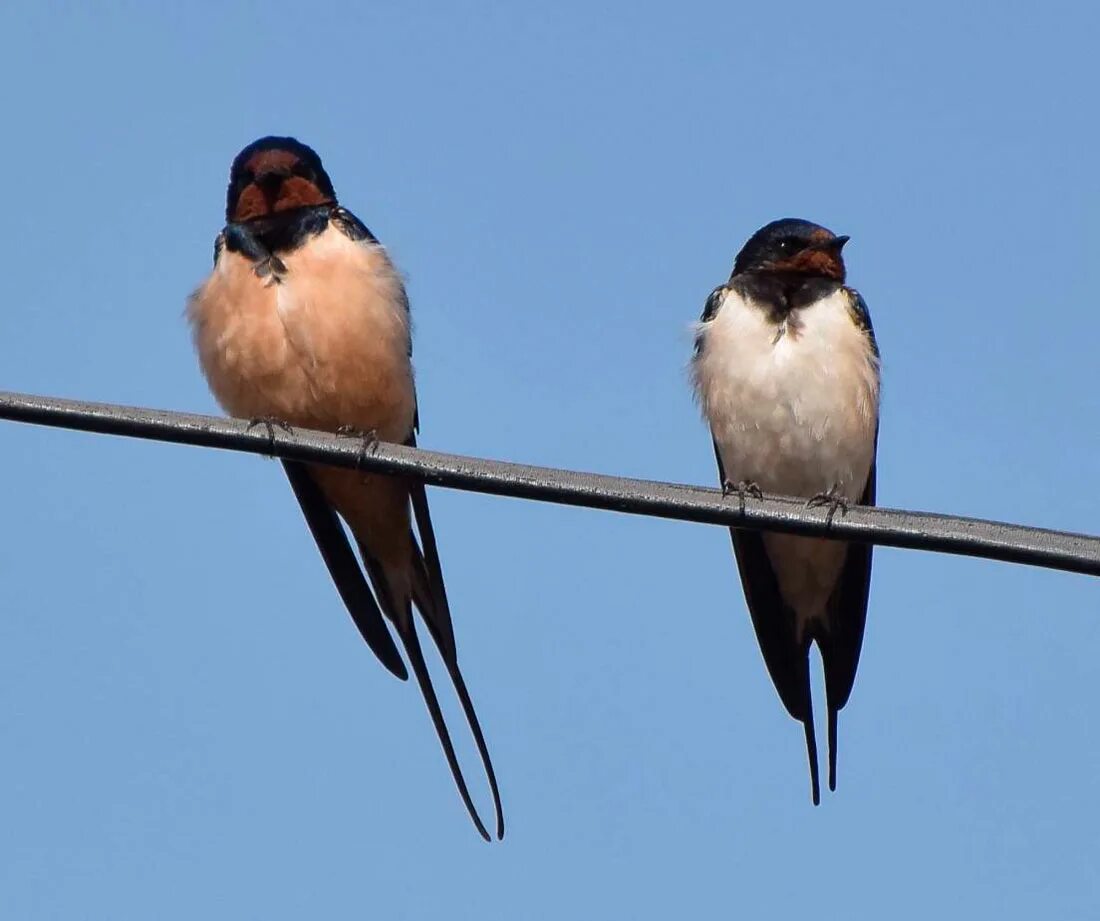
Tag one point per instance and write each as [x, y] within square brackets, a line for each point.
[787, 659]
[343, 567]
[846, 612]
[772, 618]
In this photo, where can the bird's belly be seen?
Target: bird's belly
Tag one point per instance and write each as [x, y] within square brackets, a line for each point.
[792, 443]
[795, 413]
[325, 347]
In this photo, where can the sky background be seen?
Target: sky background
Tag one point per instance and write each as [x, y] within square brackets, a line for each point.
[189, 723]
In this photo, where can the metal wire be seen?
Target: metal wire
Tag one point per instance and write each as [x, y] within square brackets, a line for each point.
[975, 537]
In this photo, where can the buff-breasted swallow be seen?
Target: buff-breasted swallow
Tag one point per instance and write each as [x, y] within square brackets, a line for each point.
[786, 370]
[304, 321]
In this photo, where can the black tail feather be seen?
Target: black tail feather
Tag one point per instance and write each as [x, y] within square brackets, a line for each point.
[811, 751]
[832, 747]
[343, 567]
[415, 655]
[406, 630]
[366, 610]
[479, 740]
[424, 598]
[430, 598]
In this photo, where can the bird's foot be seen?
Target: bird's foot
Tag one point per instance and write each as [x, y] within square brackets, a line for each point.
[368, 441]
[270, 423]
[742, 488]
[833, 500]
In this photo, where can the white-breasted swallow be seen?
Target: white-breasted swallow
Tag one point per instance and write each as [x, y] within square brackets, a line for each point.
[786, 370]
[304, 321]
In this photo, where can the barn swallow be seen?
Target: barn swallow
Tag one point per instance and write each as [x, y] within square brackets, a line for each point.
[786, 370]
[304, 321]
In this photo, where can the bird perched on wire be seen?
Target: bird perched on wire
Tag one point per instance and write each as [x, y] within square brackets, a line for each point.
[786, 370]
[304, 321]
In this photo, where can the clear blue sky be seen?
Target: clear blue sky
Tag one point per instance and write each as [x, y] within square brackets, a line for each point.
[189, 724]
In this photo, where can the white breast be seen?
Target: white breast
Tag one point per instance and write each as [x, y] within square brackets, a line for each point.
[795, 413]
[326, 346]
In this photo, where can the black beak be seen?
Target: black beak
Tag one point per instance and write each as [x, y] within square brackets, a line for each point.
[834, 246]
[270, 183]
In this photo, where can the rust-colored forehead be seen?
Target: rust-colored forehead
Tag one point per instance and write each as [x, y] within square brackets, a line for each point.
[821, 235]
[271, 161]
[813, 262]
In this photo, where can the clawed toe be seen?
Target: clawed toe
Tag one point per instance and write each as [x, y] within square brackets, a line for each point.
[368, 441]
[833, 500]
[742, 488]
[270, 423]
[350, 431]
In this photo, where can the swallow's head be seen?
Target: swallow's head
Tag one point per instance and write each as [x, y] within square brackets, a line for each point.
[795, 247]
[272, 175]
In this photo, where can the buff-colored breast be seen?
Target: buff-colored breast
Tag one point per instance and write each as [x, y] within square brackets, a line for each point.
[324, 347]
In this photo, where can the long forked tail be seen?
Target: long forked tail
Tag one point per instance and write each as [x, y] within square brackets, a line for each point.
[366, 609]
[459, 683]
[430, 597]
[833, 711]
[406, 630]
[415, 655]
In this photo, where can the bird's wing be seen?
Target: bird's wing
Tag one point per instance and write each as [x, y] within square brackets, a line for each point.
[841, 639]
[774, 621]
[343, 567]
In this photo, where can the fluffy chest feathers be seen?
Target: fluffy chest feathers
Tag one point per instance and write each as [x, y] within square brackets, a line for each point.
[324, 346]
[792, 401]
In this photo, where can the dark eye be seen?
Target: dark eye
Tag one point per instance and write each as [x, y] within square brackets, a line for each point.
[789, 245]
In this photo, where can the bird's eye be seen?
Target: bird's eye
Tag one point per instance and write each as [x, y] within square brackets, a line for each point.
[789, 245]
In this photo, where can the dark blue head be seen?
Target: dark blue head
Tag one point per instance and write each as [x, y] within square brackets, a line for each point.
[793, 246]
[275, 174]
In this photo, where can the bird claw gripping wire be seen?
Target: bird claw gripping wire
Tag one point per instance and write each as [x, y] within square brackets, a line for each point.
[742, 488]
[924, 531]
[368, 441]
[833, 500]
[269, 423]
